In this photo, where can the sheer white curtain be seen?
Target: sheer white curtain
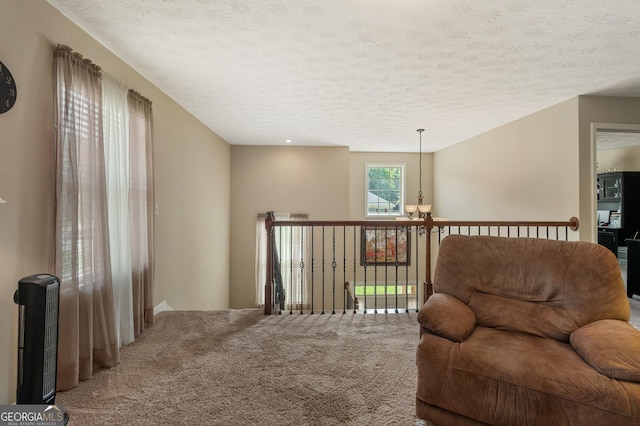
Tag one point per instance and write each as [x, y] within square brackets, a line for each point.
[261, 260]
[293, 249]
[115, 116]
[292, 243]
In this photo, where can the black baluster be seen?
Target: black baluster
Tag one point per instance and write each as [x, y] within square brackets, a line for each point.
[386, 266]
[375, 271]
[397, 265]
[333, 269]
[323, 268]
[312, 270]
[344, 265]
[280, 251]
[290, 270]
[365, 264]
[355, 275]
[302, 270]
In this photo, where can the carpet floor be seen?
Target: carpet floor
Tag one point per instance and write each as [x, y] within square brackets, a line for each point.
[238, 367]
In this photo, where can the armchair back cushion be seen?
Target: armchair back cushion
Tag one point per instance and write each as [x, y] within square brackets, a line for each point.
[498, 278]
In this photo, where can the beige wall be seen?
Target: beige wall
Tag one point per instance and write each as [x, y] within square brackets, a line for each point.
[192, 229]
[191, 177]
[289, 179]
[624, 159]
[524, 170]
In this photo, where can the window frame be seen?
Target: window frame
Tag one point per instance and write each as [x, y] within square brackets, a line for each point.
[401, 202]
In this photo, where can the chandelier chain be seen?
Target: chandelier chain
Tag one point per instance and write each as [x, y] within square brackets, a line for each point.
[420, 161]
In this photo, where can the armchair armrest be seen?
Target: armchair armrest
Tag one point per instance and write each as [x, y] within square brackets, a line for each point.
[446, 316]
[612, 347]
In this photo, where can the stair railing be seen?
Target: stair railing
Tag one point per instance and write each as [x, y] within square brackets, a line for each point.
[385, 263]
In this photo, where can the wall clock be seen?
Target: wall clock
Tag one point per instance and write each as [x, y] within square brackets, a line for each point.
[8, 90]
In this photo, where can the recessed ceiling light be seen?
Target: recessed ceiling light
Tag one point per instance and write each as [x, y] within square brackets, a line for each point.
[288, 140]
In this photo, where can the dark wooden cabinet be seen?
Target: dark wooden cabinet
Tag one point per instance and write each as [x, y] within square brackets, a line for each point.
[633, 267]
[609, 187]
[609, 238]
[619, 196]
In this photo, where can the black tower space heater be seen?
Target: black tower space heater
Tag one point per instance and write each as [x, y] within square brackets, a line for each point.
[38, 299]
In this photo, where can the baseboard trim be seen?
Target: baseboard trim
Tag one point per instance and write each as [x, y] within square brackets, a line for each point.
[160, 307]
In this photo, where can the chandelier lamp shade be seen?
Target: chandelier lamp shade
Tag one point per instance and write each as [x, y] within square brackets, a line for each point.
[410, 209]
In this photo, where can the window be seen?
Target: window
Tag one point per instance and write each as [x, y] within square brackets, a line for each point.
[80, 113]
[384, 185]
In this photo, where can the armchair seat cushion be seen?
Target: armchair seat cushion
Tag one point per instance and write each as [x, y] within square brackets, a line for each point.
[504, 377]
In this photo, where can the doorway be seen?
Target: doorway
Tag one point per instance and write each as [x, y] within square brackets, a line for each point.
[616, 150]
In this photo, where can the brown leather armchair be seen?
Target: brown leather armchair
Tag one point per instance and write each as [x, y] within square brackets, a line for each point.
[523, 331]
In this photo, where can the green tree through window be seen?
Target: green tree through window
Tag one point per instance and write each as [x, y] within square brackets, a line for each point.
[385, 189]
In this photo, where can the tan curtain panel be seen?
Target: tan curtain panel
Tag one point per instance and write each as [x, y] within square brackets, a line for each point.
[141, 202]
[87, 332]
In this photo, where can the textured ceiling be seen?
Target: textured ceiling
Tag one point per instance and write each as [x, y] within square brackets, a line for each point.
[607, 140]
[368, 73]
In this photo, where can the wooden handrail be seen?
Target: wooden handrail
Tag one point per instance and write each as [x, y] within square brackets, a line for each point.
[429, 222]
[572, 224]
